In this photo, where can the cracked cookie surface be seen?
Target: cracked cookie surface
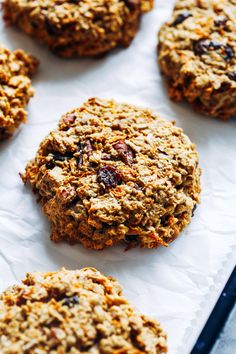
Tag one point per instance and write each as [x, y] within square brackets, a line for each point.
[79, 311]
[197, 54]
[16, 67]
[73, 28]
[114, 172]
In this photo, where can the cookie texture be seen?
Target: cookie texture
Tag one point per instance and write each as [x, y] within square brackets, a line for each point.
[15, 88]
[78, 28]
[79, 311]
[114, 172]
[197, 53]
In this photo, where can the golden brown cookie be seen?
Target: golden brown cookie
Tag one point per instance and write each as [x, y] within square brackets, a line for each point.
[78, 27]
[80, 311]
[197, 54]
[115, 172]
[15, 88]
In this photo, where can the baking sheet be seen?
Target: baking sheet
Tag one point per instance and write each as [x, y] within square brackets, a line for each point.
[179, 285]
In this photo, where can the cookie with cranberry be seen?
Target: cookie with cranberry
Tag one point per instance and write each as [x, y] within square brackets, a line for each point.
[114, 172]
[16, 67]
[197, 54]
[73, 28]
[79, 311]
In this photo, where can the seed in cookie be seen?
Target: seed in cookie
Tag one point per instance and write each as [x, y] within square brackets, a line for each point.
[79, 311]
[16, 68]
[78, 28]
[129, 181]
[198, 53]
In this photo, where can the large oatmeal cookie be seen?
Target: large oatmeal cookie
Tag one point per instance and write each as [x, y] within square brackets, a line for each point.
[197, 53]
[15, 88]
[113, 172]
[78, 28]
[79, 311]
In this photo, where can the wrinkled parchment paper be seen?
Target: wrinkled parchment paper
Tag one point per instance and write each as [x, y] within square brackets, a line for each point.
[179, 285]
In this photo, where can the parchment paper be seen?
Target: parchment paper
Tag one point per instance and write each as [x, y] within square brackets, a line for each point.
[179, 285]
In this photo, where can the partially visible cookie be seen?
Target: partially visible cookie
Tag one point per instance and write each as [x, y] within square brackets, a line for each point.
[114, 172]
[197, 54]
[15, 88]
[78, 28]
[79, 311]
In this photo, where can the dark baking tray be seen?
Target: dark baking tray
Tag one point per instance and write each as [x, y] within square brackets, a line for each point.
[217, 318]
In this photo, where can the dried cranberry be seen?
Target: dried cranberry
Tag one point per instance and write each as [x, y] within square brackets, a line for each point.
[109, 175]
[71, 301]
[80, 158]
[84, 147]
[181, 18]
[106, 157]
[232, 75]
[89, 148]
[124, 152]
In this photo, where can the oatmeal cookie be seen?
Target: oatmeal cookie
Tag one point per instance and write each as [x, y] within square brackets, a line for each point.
[78, 28]
[197, 53]
[15, 88]
[79, 311]
[114, 172]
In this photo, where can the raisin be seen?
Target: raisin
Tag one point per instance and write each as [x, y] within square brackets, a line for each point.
[80, 160]
[232, 75]
[34, 24]
[50, 164]
[224, 87]
[201, 46]
[132, 241]
[71, 301]
[109, 175]
[181, 18]
[59, 157]
[69, 119]
[51, 28]
[193, 211]
[132, 4]
[221, 21]
[2, 131]
[124, 152]
[229, 53]
[215, 45]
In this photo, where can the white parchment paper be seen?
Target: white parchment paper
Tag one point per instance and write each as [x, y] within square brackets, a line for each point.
[179, 285]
